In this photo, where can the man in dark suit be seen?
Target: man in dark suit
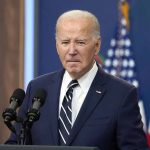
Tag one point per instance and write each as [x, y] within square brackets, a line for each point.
[104, 109]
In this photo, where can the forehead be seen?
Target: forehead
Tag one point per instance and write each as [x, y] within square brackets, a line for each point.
[78, 25]
[74, 18]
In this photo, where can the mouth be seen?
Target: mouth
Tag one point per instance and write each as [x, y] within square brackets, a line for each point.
[73, 61]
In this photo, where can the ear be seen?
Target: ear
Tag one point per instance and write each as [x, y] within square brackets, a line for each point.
[57, 47]
[97, 45]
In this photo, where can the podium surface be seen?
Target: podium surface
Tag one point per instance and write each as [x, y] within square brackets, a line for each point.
[44, 147]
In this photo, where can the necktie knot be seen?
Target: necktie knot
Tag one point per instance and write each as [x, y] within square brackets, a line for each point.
[73, 84]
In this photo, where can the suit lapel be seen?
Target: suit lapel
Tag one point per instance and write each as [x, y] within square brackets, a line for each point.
[53, 98]
[92, 99]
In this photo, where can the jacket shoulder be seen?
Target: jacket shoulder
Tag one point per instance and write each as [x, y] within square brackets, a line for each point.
[46, 79]
[48, 76]
[116, 82]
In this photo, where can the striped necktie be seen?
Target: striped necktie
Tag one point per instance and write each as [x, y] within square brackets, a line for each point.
[65, 117]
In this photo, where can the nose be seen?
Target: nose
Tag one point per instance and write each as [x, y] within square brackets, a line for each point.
[72, 49]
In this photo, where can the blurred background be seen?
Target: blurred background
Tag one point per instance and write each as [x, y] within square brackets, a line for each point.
[27, 43]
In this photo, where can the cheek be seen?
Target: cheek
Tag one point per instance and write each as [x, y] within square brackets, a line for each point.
[88, 57]
[60, 52]
[62, 57]
[60, 49]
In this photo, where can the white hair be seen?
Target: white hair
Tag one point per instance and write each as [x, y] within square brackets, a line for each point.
[76, 14]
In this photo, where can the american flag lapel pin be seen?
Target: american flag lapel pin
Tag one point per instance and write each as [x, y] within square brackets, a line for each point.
[99, 92]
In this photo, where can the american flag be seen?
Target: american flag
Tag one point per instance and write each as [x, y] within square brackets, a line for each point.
[120, 59]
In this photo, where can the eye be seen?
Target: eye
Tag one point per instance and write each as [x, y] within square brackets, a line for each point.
[81, 43]
[65, 43]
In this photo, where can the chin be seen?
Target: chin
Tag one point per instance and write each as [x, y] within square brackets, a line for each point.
[72, 68]
[73, 72]
[76, 74]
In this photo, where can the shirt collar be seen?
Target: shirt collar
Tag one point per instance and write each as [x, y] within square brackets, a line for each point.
[85, 81]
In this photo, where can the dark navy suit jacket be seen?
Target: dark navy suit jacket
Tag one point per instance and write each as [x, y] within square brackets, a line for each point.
[109, 117]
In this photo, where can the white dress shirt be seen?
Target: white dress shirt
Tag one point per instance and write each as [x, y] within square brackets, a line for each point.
[79, 92]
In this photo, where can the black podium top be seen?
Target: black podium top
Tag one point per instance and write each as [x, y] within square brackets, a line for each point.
[44, 147]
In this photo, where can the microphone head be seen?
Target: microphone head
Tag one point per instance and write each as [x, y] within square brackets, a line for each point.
[18, 95]
[40, 95]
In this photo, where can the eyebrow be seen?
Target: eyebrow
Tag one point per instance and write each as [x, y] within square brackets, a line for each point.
[77, 39]
[83, 40]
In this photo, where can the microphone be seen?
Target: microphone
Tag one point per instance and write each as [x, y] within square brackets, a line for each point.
[15, 101]
[38, 101]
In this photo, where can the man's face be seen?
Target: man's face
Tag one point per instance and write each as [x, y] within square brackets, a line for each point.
[76, 46]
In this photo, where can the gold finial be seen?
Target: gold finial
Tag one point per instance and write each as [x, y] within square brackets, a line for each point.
[124, 9]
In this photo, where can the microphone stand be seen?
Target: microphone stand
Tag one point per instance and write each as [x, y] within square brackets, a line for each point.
[10, 115]
[24, 137]
[32, 116]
